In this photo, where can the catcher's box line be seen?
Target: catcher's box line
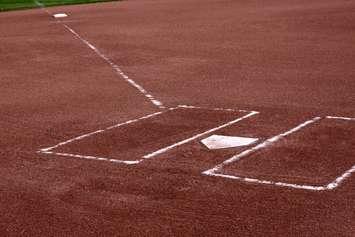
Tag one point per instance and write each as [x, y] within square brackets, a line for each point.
[332, 185]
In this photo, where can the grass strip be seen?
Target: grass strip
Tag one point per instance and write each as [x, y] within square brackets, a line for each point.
[7, 5]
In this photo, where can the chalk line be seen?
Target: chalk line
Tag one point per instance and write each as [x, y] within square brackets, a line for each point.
[340, 118]
[48, 150]
[264, 144]
[114, 66]
[165, 149]
[341, 178]
[258, 181]
[334, 184]
[91, 157]
[347, 173]
[105, 129]
[215, 109]
[267, 143]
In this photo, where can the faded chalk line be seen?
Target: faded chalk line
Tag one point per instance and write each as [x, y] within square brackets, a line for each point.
[213, 109]
[41, 5]
[334, 184]
[114, 66]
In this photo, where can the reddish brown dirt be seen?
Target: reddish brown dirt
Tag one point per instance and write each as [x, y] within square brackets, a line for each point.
[315, 155]
[133, 141]
[289, 59]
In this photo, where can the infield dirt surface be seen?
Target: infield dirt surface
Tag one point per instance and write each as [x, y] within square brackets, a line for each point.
[290, 60]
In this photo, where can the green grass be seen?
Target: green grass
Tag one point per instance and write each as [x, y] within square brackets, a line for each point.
[7, 5]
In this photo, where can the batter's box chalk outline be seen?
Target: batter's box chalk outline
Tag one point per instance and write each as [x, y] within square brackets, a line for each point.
[330, 186]
[50, 150]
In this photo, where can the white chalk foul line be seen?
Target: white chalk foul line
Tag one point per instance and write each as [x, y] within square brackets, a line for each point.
[114, 66]
[165, 149]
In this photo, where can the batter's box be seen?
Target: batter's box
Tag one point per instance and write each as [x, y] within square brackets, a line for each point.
[143, 138]
[318, 154]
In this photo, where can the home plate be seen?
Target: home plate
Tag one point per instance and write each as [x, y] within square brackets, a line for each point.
[219, 142]
[60, 15]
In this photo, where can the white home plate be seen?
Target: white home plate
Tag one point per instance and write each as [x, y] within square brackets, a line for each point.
[60, 15]
[218, 141]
